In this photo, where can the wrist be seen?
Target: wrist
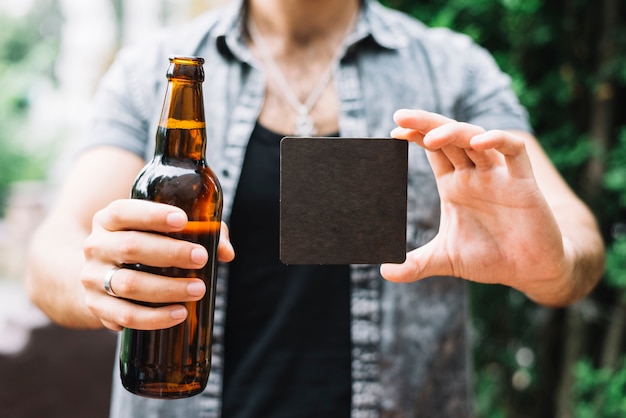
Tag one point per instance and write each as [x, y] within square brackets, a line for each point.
[573, 277]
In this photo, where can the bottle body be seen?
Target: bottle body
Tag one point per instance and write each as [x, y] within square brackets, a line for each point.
[175, 362]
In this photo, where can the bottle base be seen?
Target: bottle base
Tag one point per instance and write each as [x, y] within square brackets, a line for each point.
[166, 390]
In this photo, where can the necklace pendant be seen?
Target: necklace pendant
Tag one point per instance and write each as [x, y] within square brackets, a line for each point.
[304, 125]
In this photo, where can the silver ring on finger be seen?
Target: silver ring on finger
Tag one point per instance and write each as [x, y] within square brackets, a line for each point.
[107, 281]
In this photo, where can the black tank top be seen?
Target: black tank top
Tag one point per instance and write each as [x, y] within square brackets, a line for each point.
[287, 335]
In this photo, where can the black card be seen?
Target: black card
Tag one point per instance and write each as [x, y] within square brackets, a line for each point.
[343, 200]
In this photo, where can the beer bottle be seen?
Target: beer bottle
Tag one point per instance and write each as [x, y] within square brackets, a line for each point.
[175, 362]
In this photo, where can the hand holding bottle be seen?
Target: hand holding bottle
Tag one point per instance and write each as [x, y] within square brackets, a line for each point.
[128, 231]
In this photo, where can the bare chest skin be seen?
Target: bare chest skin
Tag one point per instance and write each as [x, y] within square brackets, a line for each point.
[278, 116]
[302, 68]
[301, 41]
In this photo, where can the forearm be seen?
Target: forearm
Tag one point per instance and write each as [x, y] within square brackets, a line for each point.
[53, 275]
[588, 260]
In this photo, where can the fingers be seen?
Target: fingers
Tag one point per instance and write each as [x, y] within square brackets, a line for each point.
[140, 215]
[451, 144]
[117, 314]
[125, 314]
[119, 235]
[133, 247]
[418, 120]
[136, 247]
[116, 310]
[124, 234]
[511, 146]
[137, 285]
[458, 146]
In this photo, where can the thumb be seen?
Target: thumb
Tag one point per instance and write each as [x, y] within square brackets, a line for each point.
[225, 248]
[418, 265]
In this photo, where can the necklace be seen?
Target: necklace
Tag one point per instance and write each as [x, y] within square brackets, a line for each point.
[304, 122]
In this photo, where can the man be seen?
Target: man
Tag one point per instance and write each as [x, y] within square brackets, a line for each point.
[485, 204]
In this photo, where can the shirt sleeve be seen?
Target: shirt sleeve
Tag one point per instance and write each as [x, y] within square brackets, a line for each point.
[488, 99]
[124, 105]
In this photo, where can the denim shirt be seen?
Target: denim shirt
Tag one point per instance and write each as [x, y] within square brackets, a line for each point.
[410, 348]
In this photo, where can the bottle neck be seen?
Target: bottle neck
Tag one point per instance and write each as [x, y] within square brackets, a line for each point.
[181, 132]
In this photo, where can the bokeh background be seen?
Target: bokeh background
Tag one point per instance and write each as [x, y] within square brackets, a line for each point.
[52, 56]
[567, 59]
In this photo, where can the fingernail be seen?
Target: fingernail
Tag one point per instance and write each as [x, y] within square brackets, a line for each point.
[199, 256]
[195, 288]
[176, 220]
[229, 247]
[178, 313]
[396, 133]
[402, 112]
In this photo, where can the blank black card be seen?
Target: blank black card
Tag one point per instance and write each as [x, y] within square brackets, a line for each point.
[343, 200]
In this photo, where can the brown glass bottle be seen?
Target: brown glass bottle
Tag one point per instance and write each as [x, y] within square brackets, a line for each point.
[175, 362]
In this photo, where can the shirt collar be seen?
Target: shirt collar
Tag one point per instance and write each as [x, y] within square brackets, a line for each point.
[372, 23]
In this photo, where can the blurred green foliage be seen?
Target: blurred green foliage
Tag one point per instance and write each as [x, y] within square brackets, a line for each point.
[28, 48]
[600, 392]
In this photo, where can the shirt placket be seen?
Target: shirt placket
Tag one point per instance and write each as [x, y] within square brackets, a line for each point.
[365, 279]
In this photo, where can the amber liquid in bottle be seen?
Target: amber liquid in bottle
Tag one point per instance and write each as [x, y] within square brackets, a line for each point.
[175, 362]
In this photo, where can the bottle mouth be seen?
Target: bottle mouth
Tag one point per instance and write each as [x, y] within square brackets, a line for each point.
[186, 68]
[186, 60]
